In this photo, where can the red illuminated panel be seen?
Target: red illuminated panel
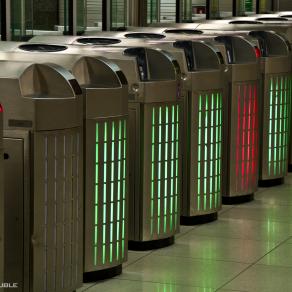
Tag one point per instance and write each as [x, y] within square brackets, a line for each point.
[1, 108]
[257, 52]
[246, 138]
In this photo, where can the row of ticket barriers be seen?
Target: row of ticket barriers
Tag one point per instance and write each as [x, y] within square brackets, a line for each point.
[111, 141]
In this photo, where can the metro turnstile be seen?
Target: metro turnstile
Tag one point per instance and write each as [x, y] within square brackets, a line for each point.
[43, 246]
[275, 106]
[202, 131]
[154, 141]
[240, 169]
[242, 133]
[155, 78]
[105, 114]
[272, 24]
[203, 84]
[155, 154]
[1, 200]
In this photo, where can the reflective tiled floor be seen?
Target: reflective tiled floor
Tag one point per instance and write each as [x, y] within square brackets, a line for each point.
[248, 249]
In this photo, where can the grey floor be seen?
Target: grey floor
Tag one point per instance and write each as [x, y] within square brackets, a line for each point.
[248, 249]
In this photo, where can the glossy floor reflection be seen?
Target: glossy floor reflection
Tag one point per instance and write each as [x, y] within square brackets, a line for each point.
[248, 249]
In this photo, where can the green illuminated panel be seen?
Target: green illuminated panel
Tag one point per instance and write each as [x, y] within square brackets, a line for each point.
[164, 168]
[110, 182]
[208, 168]
[249, 5]
[278, 131]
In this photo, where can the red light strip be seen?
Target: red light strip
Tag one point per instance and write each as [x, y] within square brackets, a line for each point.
[238, 139]
[249, 146]
[255, 136]
[257, 52]
[243, 177]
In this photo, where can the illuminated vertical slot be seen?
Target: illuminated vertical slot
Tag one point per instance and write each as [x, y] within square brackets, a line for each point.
[152, 170]
[216, 148]
[199, 152]
[104, 192]
[280, 150]
[276, 126]
[165, 169]
[238, 136]
[96, 192]
[215, 133]
[270, 125]
[287, 113]
[176, 162]
[220, 127]
[248, 5]
[172, 166]
[248, 162]
[284, 137]
[124, 186]
[254, 131]
[119, 190]
[243, 175]
[112, 189]
[211, 151]
[159, 169]
[206, 150]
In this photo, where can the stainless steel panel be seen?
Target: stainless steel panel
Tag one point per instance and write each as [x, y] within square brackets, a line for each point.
[242, 138]
[2, 253]
[204, 138]
[106, 193]
[57, 213]
[48, 197]
[160, 172]
[276, 126]
[14, 212]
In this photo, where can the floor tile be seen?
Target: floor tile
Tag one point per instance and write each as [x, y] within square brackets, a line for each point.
[276, 195]
[134, 256]
[225, 208]
[182, 271]
[217, 248]
[85, 287]
[281, 256]
[246, 229]
[260, 213]
[184, 229]
[116, 285]
[227, 290]
[263, 278]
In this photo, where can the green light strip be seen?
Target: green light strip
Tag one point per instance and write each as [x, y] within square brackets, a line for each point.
[275, 126]
[177, 162]
[152, 170]
[104, 190]
[113, 139]
[270, 124]
[209, 164]
[200, 145]
[164, 168]
[280, 126]
[124, 188]
[159, 169]
[96, 193]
